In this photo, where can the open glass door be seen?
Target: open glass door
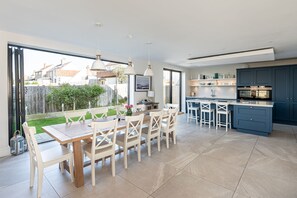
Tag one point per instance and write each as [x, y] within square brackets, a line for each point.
[16, 102]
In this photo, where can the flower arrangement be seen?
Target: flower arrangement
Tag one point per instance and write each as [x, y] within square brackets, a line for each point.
[129, 109]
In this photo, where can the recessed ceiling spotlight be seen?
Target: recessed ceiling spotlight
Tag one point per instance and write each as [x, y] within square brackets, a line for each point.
[98, 24]
[130, 36]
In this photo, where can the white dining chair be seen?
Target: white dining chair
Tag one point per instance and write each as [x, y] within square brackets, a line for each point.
[103, 144]
[171, 106]
[140, 107]
[70, 115]
[207, 114]
[168, 128]
[131, 137]
[99, 112]
[222, 109]
[42, 159]
[193, 111]
[120, 110]
[153, 130]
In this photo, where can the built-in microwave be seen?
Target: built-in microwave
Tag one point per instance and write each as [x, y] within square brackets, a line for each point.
[254, 93]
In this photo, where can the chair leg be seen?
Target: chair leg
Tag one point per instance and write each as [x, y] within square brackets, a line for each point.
[217, 121]
[103, 161]
[61, 164]
[71, 168]
[200, 118]
[227, 122]
[113, 165]
[125, 158]
[174, 137]
[209, 119]
[39, 183]
[139, 152]
[148, 143]
[159, 140]
[32, 173]
[93, 172]
[167, 140]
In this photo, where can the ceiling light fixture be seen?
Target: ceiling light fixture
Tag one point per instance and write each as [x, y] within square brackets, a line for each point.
[130, 69]
[149, 71]
[98, 64]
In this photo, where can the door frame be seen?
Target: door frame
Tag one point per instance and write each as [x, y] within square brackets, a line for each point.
[170, 85]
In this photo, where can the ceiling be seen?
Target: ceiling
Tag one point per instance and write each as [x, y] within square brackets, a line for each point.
[178, 29]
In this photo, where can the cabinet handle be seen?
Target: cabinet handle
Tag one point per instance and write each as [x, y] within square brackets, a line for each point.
[251, 107]
[291, 98]
[287, 98]
[251, 119]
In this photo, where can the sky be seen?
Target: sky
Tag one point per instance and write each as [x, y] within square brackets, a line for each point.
[34, 60]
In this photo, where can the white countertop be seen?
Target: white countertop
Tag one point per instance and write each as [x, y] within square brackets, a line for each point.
[258, 103]
[254, 103]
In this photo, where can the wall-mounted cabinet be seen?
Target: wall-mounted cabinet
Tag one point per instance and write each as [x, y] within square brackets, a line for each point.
[254, 77]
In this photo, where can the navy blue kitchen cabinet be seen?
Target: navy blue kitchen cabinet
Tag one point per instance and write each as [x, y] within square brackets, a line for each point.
[254, 77]
[281, 94]
[285, 94]
[253, 119]
[293, 94]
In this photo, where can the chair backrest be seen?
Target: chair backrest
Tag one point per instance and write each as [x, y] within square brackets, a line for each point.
[222, 107]
[155, 122]
[205, 106]
[69, 115]
[102, 111]
[121, 110]
[139, 108]
[171, 121]
[134, 127]
[104, 135]
[171, 106]
[32, 143]
[190, 103]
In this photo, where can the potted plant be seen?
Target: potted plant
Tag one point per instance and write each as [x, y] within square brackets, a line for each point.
[129, 109]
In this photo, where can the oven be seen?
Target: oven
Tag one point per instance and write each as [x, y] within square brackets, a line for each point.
[255, 93]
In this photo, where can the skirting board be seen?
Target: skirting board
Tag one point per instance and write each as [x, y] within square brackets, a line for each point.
[4, 151]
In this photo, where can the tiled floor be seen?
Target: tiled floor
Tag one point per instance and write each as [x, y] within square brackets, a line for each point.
[203, 163]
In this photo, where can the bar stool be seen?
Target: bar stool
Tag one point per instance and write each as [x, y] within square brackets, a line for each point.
[192, 111]
[222, 109]
[205, 109]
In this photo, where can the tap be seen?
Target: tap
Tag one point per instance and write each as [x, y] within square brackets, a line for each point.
[213, 92]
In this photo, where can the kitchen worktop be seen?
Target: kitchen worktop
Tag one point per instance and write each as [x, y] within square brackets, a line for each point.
[258, 103]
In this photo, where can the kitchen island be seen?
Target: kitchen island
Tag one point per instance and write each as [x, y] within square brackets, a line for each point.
[253, 117]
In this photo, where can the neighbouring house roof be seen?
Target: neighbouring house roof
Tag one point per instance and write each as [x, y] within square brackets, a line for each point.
[105, 74]
[66, 73]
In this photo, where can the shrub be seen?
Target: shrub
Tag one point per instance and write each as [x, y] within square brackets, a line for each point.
[79, 95]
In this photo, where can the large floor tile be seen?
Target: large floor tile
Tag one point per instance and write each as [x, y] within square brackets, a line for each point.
[284, 151]
[23, 190]
[216, 171]
[148, 175]
[257, 184]
[112, 187]
[231, 154]
[274, 167]
[185, 185]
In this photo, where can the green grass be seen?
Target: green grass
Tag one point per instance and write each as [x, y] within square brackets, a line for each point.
[58, 120]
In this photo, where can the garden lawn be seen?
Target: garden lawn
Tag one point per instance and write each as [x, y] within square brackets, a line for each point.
[58, 120]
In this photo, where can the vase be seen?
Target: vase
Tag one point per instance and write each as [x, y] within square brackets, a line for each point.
[129, 112]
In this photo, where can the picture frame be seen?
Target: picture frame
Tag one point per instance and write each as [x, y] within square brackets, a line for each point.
[142, 83]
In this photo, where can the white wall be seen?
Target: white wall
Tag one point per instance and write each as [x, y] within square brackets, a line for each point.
[12, 38]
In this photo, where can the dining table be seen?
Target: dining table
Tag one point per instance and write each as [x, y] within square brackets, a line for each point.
[75, 132]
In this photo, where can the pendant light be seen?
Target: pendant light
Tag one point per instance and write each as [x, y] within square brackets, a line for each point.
[149, 71]
[130, 69]
[98, 64]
